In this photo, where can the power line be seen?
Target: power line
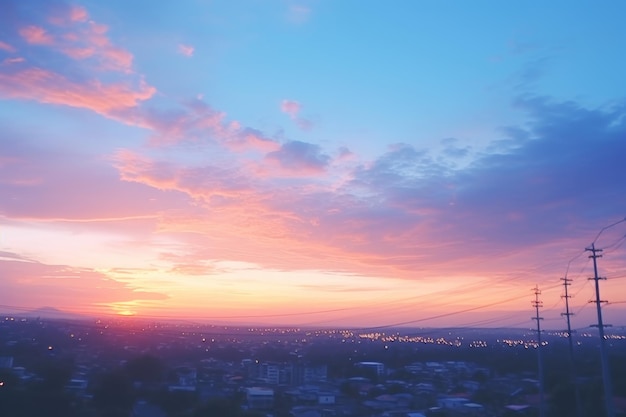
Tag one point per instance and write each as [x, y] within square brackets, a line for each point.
[438, 316]
[607, 227]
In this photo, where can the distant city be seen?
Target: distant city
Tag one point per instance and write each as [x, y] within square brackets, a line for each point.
[140, 368]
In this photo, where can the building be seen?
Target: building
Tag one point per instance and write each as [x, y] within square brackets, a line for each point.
[260, 398]
[285, 373]
[377, 367]
[270, 373]
[6, 362]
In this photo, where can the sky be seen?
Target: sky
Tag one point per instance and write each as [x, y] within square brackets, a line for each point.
[313, 162]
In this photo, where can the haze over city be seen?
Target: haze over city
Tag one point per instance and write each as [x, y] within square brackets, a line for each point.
[313, 163]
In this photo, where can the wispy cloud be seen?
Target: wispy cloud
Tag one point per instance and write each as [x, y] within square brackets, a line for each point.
[298, 13]
[292, 108]
[194, 121]
[14, 60]
[6, 47]
[36, 35]
[61, 14]
[49, 87]
[186, 50]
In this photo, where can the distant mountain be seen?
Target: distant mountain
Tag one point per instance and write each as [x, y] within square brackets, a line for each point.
[54, 313]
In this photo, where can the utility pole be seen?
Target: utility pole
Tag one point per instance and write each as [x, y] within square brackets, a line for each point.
[572, 372]
[536, 303]
[606, 375]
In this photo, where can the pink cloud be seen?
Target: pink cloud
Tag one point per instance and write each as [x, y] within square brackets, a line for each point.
[78, 14]
[36, 35]
[255, 228]
[79, 53]
[135, 168]
[6, 47]
[65, 15]
[242, 139]
[49, 87]
[79, 38]
[199, 183]
[99, 29]
[75, 76]
[82, 47]
[290, 107]
[116, 59]
[196, 121]
[186, 50]
[88, 40]
[183, 124]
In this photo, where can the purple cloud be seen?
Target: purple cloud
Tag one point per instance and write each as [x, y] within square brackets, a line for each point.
[299, 158]
[565, 169]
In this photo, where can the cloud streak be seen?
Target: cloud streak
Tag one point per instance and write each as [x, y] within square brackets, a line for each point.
[49, 87]
[292, 109]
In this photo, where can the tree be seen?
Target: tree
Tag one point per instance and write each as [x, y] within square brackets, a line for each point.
[145, 368]
[10, 396]
[177, 402]
[114, 394]
[218, 407]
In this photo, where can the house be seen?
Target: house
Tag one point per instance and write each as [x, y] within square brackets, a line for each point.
[452, 403]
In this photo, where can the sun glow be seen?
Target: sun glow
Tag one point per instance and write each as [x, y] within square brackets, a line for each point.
[124, 309]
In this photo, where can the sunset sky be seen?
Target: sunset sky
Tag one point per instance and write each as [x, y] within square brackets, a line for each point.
[323, 162]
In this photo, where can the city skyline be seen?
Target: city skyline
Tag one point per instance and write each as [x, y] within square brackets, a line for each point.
[312, 163]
